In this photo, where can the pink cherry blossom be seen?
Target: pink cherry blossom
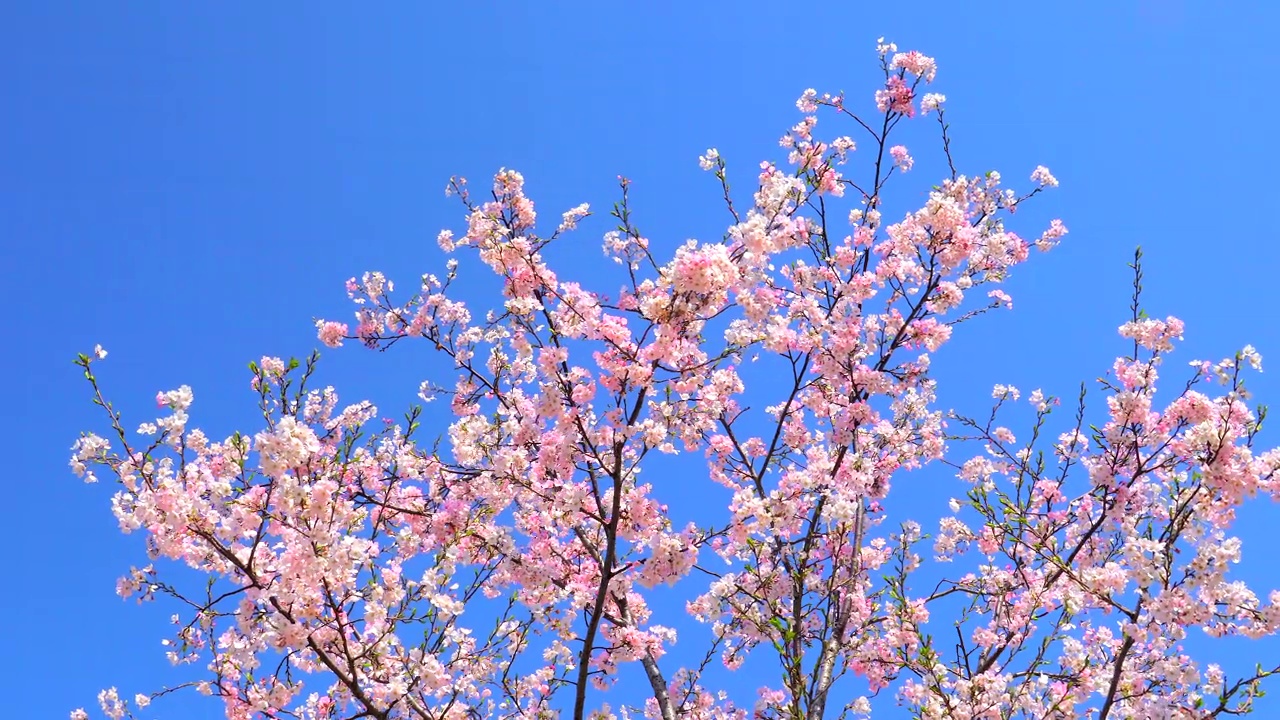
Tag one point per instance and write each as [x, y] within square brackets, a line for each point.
[731, 433]
[331, 333]
[901, 159]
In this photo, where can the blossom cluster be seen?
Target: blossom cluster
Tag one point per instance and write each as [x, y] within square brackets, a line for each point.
[517, 567]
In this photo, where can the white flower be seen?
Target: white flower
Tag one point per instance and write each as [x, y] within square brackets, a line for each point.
[931, 102]
[708, 161]
[1042, 175]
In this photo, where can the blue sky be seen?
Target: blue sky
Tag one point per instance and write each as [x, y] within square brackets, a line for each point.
[190, 184]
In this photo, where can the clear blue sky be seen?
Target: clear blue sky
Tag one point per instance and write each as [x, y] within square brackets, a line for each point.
[190, 184]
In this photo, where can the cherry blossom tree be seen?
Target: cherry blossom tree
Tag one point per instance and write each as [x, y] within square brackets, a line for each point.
[326, 564]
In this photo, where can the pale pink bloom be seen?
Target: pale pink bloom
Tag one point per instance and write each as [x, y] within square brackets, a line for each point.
[1051, 236]
[1152, 334]
[895, 97]
[705, 269]
[445, 240]
[569, 220]
[1252, 357]
[179, 399]
[89, 448]
[709, 161]
[1042, 176]
[331, 333]
[272, 366]
[1000, 392]
[1039, 402]
[916, 63]
[111, 704]
[806, 104]
[901, 159]
[289, 446]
